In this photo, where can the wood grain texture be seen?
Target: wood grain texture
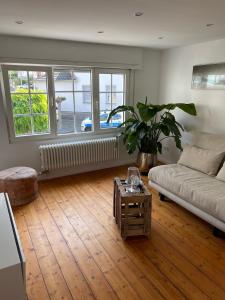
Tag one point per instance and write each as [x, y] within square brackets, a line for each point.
[74, 250]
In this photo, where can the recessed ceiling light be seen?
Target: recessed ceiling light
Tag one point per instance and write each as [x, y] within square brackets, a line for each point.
[19, 22]
[138, 14]
[100, 31]
[209, 25]
[160, 37]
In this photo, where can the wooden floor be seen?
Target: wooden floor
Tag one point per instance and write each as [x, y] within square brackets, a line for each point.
[74, 251]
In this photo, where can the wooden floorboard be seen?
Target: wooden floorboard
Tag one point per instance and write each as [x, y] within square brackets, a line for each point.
[74, 251]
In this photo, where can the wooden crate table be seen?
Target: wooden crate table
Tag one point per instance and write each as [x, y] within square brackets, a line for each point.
[132, 211]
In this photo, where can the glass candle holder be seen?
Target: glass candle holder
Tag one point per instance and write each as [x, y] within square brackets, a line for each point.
[132, 171]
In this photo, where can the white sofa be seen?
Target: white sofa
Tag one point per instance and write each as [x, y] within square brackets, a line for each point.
[199, 193]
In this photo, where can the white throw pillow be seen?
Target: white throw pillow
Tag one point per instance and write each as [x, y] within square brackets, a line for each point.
[203, 160]
[221, 174]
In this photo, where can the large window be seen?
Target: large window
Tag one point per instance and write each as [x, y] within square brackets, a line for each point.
[50, 102]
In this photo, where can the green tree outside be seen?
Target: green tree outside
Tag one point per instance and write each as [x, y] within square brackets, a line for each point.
[30, 112]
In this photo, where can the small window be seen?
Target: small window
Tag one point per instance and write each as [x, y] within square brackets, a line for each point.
[112, 93]
[28, 93]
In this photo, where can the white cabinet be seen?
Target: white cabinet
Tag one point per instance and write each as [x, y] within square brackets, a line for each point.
[12, 261]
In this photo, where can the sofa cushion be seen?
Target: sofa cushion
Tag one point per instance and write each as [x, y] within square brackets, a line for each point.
[203, 160]
[207, 140]
[202, 191]
[221, 174]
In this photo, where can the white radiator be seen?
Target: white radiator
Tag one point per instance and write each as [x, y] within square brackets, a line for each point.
[65, 155]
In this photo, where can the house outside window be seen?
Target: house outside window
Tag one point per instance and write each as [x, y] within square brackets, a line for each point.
[108, 94]
[86, 93]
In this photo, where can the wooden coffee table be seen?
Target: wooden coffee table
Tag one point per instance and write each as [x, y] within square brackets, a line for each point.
[132, 211]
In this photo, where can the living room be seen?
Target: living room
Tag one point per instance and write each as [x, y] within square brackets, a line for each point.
[112, 146]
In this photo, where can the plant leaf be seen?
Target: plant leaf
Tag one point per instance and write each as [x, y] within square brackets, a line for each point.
[146, 111]
[159, 147]
[129, 120]
[121, 108]
[165, 129]
[172, 126]
[178, 142]
[188, 108]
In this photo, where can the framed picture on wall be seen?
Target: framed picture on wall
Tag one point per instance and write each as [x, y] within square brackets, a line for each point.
[210, 77]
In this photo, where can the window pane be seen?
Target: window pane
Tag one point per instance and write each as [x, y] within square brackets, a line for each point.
[22, 125]
[83, 113]
[63, 80]
[105, 101]
[113, 86]
[117, 82]
[82, 79]
[39, 103]
[41, 123]
[117, 99]
[18, 80]
[38, 81]
[105, 82]
[64, 112]
[20, 103]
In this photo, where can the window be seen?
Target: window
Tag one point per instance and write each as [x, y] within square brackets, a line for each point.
[112, 93]
[28, 94]
[71, 110]
[45, 102]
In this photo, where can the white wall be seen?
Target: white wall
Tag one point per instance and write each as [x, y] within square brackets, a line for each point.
[29, 50]
[175, 86]
[147, 79]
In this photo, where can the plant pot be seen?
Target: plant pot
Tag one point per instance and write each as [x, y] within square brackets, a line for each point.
[145, 161]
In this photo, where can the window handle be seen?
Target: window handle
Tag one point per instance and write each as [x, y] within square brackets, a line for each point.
[51, 100]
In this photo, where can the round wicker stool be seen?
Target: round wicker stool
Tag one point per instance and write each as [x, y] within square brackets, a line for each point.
[20, 183]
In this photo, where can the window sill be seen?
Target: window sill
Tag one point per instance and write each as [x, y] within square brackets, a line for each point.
[61, 137]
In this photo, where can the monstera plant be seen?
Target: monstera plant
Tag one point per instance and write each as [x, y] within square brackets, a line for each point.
[146, 126]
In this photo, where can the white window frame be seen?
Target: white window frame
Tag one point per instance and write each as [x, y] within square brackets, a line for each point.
[8, 103]
[72, 68]
[49, 69]
[98, 71]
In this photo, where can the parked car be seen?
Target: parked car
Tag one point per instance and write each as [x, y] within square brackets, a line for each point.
[86, 124]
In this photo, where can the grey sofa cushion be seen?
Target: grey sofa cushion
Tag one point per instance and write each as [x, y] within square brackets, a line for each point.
[202, 191]
[203, 160]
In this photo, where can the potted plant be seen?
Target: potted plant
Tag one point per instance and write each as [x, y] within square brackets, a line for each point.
[146, 127]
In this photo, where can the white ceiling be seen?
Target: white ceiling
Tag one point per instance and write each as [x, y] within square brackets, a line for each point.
[180, 22]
